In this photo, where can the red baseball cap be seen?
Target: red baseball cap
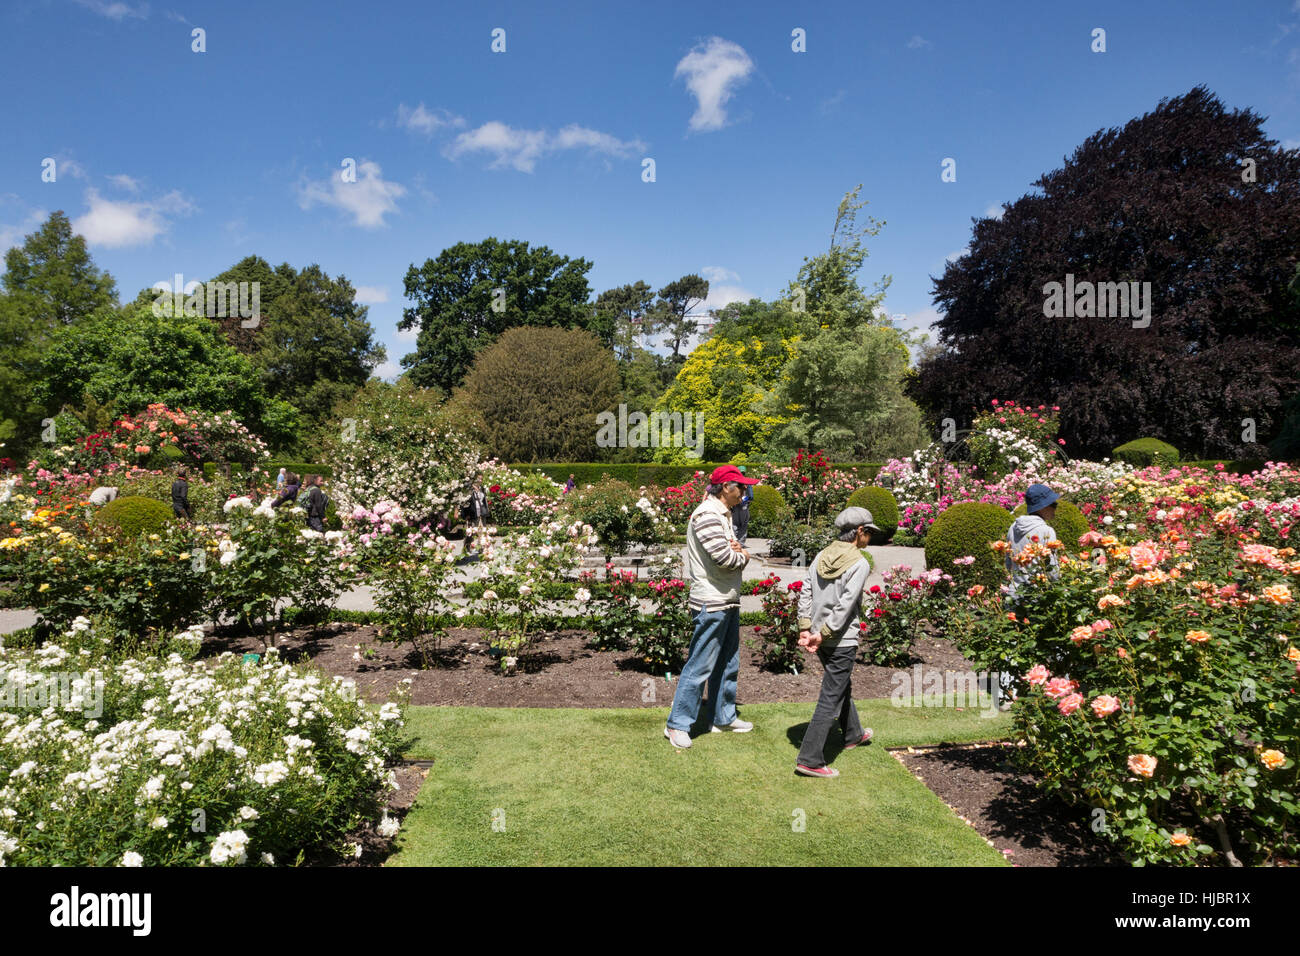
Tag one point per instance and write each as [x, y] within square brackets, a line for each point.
[729, 473]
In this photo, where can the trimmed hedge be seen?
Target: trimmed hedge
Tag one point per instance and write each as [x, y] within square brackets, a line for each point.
[648, 473]
[134, 515]
[966, 529]
[1069, 524]
[767, 508]
[211, 469]
[1142, 452]
[883, 507]
[1233, 466]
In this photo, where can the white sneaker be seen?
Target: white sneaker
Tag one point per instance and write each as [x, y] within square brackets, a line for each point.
[737, 726]
[678, 738]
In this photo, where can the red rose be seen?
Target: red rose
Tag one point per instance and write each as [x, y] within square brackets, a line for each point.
[875, 589]
[878, 612]
[895, 596]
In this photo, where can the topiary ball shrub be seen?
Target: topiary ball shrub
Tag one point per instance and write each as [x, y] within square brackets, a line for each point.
[767, 508]
[1069, 524]
[884, 510]
[134, 516]
[965, 530]
[1143, 452]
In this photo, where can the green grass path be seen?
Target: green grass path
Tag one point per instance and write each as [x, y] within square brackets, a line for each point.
[603, 787]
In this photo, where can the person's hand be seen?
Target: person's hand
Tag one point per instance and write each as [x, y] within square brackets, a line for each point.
[736, 546]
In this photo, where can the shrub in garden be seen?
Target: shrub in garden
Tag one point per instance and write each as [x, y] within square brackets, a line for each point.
[133, 516]
[1142, 452]
[777, 639]
[282, 762]
[679, 501]
[790, 537]
[883, 507]
[1069, 523]
[1157, 683]
[1009, 438]
[664, 636]
[810, 485]
[764, 511]
[617, 515]
[894, 612]
[965, 530]
[615, 607]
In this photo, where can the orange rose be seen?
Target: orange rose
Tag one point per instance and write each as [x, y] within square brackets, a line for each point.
[1180, 839]
[1198, 637]
[1278, 594]
[1144, 765]
[1272, 759]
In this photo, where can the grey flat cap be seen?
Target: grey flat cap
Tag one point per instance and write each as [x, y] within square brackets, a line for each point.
[854, 518]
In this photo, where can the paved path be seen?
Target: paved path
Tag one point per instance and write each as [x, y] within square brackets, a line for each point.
[359, 598]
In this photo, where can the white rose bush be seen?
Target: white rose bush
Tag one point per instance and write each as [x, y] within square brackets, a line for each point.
[226, 762]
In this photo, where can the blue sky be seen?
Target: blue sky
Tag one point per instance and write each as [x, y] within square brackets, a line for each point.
[173, 161]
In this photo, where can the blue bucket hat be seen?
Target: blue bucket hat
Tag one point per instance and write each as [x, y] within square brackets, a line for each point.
[1038, 497]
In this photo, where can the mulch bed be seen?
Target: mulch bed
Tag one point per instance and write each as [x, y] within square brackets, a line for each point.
[559, 671]
[983, 787]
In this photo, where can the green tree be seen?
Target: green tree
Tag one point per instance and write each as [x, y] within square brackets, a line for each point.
[473, 292]
[538, 392]
[676, 300]
[50, 281]
[135, 358]
[621, 315]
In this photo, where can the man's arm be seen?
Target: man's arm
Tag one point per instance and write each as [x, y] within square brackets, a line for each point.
[712, 535]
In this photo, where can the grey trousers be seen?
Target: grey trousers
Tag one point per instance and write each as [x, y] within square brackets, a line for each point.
[834, 705]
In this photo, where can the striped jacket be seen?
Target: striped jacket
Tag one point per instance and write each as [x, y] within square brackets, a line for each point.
[713, 569]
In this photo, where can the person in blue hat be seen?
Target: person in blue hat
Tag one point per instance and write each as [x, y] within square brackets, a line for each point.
[1031, 528]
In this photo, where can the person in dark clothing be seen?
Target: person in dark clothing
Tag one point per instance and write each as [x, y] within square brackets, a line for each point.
[570, 485]
[740, 514]
[316, 504]
[476, 515]
[181, 495]
[290, 492]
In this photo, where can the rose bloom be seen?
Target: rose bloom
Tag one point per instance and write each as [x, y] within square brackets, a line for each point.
[1293, 653]
[1109, 600]
[1038, 674]
[1059, 687]
[1272, 759]
[1143, 556]
[1144, 765]
[1278, 594]
[1081, 634]
[1102, 625]
[1070, 704]
[1104, 705]
[1198, 637]
[1180, 839]
[975, 590]
[1121, 653]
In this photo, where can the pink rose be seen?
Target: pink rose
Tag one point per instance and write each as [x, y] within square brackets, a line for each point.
[1059, 687]
[1144, 765]
[1104, 705]
[1070, 704]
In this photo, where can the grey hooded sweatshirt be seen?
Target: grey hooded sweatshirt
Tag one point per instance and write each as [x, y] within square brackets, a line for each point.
[1020, 535]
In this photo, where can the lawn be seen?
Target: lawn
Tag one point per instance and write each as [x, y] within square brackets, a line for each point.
[603, 787]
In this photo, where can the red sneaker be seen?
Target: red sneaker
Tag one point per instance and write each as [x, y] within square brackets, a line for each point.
[827, 772]
[866, 739]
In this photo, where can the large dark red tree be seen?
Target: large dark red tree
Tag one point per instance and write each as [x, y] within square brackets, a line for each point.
[1161, 201]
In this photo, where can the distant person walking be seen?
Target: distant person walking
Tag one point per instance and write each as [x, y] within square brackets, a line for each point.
[714, 563]
[316, 504]
[280, 481]
[290, 491]
[181, 495]
[476, 515]
[570, 485]
[740, 514]
[828, 625]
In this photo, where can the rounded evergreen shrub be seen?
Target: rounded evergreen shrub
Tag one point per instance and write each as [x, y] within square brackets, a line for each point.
[1142, 452]
[883, 507]
[1069, 524]
[965, 530]
[765, 511]
[134, 516]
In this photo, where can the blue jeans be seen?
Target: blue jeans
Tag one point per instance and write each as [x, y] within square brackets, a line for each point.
[714, 658]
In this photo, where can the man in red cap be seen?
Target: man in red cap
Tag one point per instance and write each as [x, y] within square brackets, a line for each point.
[714, 561]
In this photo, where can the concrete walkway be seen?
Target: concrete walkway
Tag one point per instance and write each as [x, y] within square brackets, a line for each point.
[360, 599]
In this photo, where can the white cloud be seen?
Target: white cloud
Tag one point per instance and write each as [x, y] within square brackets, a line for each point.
[123, 181]
[13, 235]
[408, 335]
[387, 370]
[954, 256]
[521, 148]
[115, 9]
[367, 200]
[918, 42]
[713, 71]
[1291, 143]
[994, 211]
[421, 120]
[66, 166]
[370, 294]
[115, 224]
[718, 274]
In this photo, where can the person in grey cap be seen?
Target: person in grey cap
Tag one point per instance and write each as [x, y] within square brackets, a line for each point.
[828, 624]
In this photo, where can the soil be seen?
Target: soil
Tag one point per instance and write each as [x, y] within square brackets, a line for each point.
[983, 787]
[560, 670]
